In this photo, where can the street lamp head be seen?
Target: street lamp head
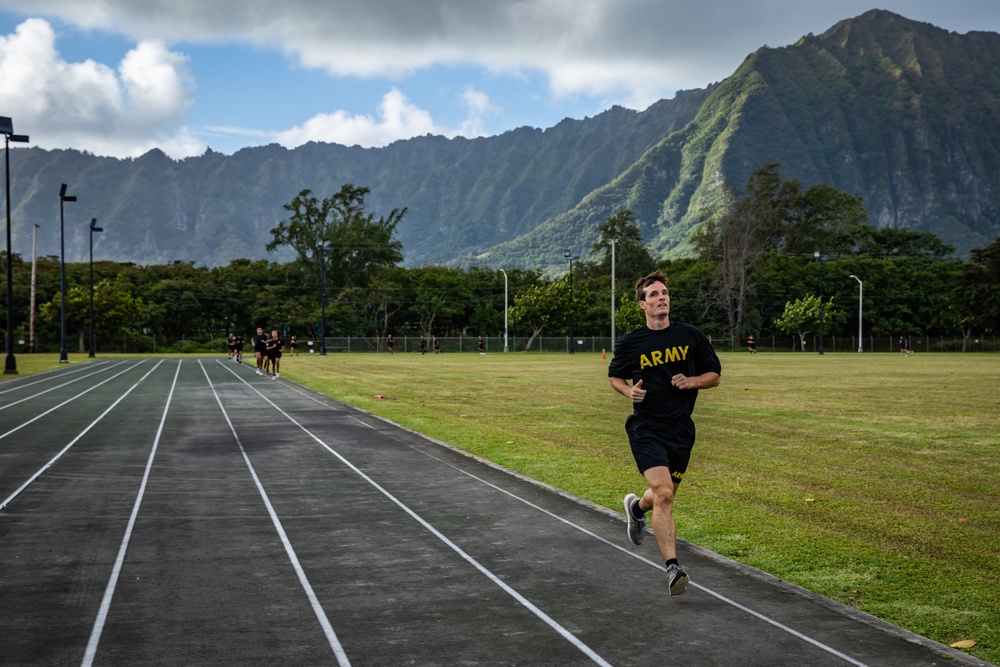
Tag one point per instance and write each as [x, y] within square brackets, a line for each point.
[94, 227]
[567, 254]
[63, 196]
[19, 138]
[6, 125]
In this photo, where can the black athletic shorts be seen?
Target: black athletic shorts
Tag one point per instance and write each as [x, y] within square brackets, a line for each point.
[660, 442]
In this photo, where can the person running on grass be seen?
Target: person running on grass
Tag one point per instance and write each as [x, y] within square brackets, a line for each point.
[667, 363]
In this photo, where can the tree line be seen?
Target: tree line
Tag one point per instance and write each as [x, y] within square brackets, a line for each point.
[755, 269]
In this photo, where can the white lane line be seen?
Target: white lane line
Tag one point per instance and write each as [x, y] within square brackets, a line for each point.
[102, 613]
[64, 384]
[38, 378]
[69, 400]
[660, 566]
[324, 621]
[74, 440]
[527, 604]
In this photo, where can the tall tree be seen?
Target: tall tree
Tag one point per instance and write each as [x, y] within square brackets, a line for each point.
[802, 317]
[630, 253]
[737, 238]
[338, 231]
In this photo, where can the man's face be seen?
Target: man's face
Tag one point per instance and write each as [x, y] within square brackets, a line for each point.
[657, 301]
[259, 330]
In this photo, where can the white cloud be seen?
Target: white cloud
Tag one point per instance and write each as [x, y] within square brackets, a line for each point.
[398, 118]
[629, 52]
[90, 106]
[478, 105]
[641, 48]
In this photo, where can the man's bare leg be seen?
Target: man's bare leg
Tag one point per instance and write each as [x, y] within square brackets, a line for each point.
[659, 497]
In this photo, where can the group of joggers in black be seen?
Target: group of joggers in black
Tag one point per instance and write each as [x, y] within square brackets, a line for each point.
[266, 348]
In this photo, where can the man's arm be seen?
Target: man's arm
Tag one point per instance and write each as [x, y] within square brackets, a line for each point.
[703, 381]
[634, 392]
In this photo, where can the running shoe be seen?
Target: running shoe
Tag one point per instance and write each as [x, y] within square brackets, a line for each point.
[636, 527]
[677, 579]
[277, 375]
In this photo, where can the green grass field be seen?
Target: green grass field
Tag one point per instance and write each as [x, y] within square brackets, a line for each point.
[871, 479]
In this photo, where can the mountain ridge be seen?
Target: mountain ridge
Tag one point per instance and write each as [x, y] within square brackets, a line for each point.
[902, 113]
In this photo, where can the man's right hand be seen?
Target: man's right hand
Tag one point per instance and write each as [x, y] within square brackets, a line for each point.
[637, 393]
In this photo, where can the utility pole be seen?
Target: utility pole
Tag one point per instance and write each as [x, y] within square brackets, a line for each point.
[31, 308]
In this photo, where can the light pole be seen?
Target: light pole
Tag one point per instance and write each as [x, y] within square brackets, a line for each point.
[31, 305]
[819, 258]
[7, 127]
[322, 298]
[612, 295]
[504, 309]
[569, 255]
[861, 297]
[93, 228]
[63, 198]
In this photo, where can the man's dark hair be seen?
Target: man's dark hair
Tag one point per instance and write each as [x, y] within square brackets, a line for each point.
[640, 287]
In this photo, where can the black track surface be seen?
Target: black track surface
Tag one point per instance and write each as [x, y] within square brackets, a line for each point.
[193, 513]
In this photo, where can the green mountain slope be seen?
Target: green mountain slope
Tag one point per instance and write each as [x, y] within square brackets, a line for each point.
[902, 113]
[463, 196]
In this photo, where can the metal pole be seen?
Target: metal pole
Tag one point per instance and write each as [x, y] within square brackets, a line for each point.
[93, 228]
[861, 296]
[612, 295]
[504, 309]
[819, 259]
[10, 366]
[91, 355]
[569, 255]
[322, 303]
[63, 197]
[31, 307]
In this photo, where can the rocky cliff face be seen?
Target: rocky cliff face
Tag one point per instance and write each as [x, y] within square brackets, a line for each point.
[902, 113]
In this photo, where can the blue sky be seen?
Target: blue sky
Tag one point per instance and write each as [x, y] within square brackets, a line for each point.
[120, 77]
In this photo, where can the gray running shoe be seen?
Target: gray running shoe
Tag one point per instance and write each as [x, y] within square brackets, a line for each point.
[636, 527]
[677, 579]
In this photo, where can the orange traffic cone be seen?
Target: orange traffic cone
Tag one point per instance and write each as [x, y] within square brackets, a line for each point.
[604, 354]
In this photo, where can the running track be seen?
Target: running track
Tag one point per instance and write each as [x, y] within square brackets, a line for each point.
[165, 512]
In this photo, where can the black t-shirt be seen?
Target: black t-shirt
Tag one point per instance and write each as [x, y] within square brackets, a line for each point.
[259, 342]
[274, 346]
[655, 357]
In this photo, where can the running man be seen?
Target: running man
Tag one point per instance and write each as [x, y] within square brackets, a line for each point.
[667, 364]
[437, 345]
[390, 341]
[423, 345]
[259, 341]
[482, 346]
[274, 347]
[238, 348]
